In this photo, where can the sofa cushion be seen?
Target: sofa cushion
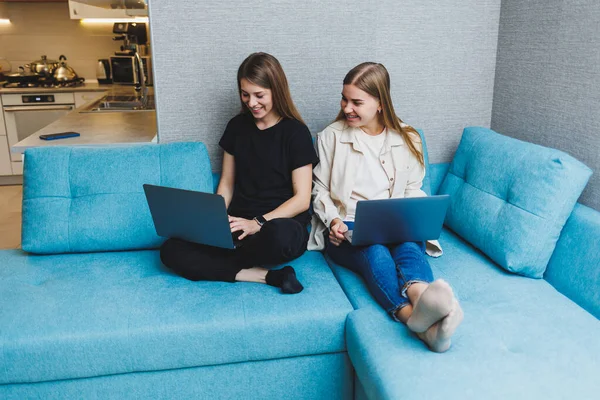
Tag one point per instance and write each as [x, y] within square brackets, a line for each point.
[511, 198]
[438, 173]
[427, 180]
[84, 315]
[78, 199]
[520, 338]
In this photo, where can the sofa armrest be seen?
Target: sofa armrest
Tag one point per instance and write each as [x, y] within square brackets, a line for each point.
[574, 269]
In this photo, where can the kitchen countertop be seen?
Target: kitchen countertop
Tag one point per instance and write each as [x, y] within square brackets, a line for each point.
[96, 129]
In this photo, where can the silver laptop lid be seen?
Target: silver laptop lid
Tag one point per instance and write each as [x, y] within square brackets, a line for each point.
[399, 220]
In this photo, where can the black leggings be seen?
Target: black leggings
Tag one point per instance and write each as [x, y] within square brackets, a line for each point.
[279, 240]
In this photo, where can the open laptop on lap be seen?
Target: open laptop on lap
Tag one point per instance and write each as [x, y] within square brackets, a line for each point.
[193, 216]
[411, 219]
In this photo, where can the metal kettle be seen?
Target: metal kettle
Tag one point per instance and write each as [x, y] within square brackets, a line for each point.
[64, 73]
[103, 71]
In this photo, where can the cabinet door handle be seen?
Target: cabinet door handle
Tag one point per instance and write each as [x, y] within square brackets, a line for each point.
[38, 108]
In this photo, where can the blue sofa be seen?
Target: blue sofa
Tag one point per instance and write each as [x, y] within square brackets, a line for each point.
[88, 311]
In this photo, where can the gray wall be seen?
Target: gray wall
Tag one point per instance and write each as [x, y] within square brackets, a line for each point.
[441, 57]
[547, 87]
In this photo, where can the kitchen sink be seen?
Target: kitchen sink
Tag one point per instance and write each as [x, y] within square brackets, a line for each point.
[120, 104]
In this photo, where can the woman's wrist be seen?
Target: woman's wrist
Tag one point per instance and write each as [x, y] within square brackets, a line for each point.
[334, 222]
[260, 220]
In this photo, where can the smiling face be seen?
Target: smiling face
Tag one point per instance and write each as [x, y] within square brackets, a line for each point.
[361, 110]
[259, 100]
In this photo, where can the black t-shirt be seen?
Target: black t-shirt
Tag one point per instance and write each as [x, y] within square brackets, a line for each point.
[264, 161]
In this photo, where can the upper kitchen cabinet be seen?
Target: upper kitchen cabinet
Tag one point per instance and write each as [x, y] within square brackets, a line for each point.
[79, 9]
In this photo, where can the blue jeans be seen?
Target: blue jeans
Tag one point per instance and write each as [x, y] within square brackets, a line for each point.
[387, 269]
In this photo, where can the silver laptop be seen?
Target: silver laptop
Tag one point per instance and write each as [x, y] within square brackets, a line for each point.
[412, 219]
[193, 216]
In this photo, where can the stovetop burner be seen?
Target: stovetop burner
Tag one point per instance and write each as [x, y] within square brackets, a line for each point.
[45, 83]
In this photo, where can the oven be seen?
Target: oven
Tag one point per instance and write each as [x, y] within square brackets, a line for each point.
[27, 113]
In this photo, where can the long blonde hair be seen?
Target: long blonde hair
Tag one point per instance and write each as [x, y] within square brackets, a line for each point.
[264, 70]
[374, 79]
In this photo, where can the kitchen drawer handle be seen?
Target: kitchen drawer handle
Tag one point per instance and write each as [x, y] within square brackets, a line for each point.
[37, 108]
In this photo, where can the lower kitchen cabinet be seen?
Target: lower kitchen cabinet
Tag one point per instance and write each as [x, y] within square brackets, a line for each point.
[17, 167]
[5, 164]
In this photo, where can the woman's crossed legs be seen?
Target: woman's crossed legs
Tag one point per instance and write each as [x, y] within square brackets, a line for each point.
[278, 241]
[399, 278]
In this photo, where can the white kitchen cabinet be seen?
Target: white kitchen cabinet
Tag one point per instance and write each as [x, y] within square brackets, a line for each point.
[79, 9]
[82, 98]
[2, 127]
[17, 167]
[5, 166]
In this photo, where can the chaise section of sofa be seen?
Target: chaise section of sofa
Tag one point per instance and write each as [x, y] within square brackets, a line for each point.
[521, 338]
[118, 324]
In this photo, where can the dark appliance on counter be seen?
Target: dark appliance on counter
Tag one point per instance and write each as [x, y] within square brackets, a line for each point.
[124, 70]
[103, 72]
[134, 36]
[123, 67]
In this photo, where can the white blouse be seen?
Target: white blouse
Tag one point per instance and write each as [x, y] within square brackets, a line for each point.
[342, 158]
[372, 182]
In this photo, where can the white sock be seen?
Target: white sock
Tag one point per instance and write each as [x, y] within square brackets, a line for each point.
[438, 336]
[434, 304]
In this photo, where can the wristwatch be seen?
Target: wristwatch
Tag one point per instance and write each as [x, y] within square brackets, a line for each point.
[260, 220]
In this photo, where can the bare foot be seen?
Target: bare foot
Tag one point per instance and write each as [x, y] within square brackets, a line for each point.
[433, 305]
[438, 336]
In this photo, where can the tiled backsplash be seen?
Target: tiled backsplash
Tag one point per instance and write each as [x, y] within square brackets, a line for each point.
[38, 29]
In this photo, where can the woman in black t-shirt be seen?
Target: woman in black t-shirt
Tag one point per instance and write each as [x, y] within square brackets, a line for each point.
[266, 182]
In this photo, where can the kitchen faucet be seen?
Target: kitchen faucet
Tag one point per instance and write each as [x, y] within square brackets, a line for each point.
[140, 85]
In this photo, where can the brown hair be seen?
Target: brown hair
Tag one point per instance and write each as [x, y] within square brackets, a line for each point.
[374, 79]
[264, 70]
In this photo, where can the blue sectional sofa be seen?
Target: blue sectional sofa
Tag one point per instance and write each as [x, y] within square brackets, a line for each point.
[88, 311]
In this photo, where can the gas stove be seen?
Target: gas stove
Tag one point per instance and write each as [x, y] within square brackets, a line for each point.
[45, 83]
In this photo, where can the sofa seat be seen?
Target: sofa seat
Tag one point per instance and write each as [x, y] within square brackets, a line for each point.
[520, 338]
[97, 314]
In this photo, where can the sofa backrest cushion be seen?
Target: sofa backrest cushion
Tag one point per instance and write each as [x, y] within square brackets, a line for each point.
[511, 198]
[78, 199]
[427, 180]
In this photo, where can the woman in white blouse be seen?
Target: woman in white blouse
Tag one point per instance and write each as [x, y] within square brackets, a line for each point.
[368, 153]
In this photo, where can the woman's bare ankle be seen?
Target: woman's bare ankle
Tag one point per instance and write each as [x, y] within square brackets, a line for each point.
[254, 274]
[404, 313]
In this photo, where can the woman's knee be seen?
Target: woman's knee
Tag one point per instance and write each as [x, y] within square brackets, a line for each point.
[371, 258]
[377, 254]
[379, 260]
[287, 235]
[411, 248]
